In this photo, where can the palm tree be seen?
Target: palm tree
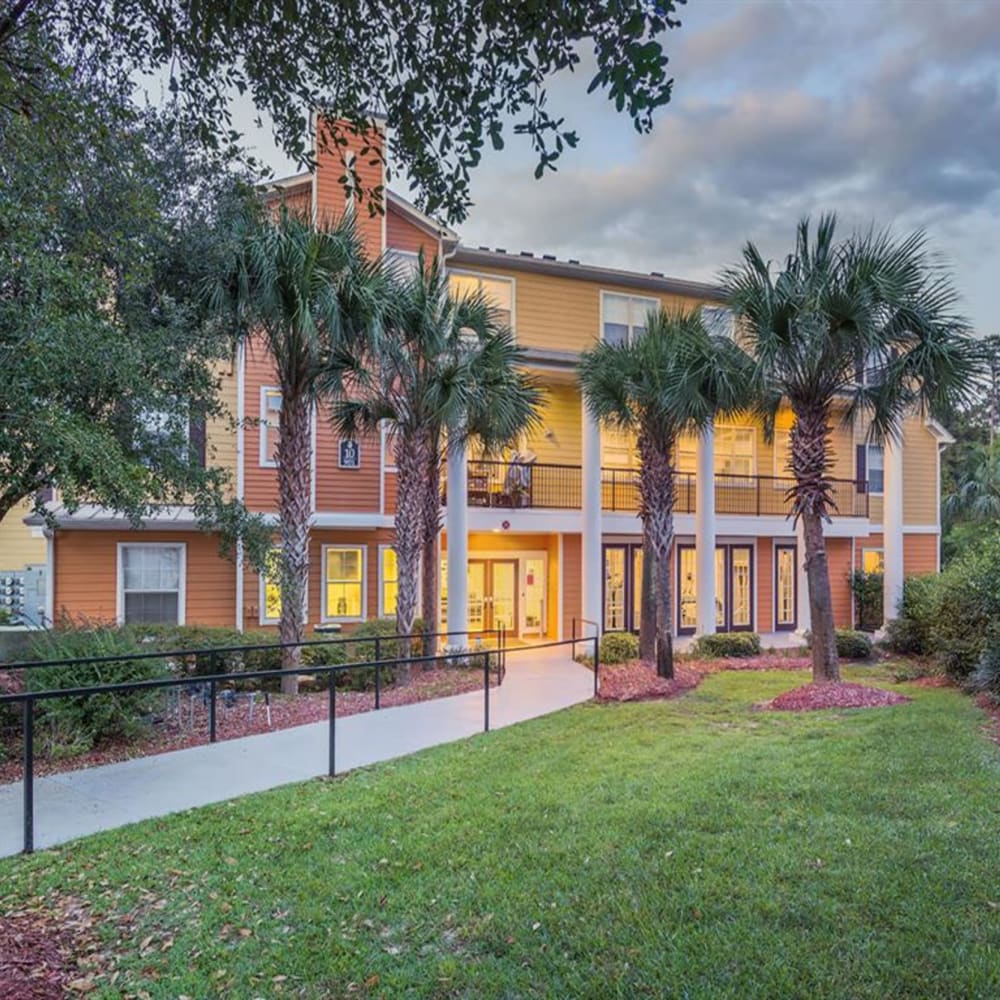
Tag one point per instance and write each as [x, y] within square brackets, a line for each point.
[870, 303]
[302, 292]
[673, 379]
[976, 496]
[443, 373]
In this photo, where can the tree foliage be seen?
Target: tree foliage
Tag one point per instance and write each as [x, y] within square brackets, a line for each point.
[449, 78]
[111, 365]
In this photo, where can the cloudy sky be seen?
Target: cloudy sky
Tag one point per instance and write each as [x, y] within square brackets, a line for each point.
[885, 111]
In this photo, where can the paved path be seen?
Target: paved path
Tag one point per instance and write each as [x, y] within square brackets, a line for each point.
[77, 803]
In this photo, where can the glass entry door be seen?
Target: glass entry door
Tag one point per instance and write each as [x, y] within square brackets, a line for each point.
[493, 595]
[622, 587]
[733, 588]
[785, 588]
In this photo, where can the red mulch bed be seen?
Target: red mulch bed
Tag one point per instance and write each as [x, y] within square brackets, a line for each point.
[638, 681]
[933, 681]
[810, 697]
[177, 731]
[49, 954]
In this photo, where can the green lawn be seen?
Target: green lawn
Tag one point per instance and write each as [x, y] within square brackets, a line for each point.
[691, 848]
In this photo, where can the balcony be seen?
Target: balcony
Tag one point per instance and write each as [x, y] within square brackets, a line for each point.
[541, 486]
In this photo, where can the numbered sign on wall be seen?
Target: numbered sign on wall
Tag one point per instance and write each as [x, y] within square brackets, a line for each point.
[350, 455]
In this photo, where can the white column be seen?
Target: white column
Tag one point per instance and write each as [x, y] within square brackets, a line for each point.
[802, 581]
[892, 528]
[590, 527]
[704, 532]
[457, 526]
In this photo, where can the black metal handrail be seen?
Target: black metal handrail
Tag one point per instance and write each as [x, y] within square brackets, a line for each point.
[27, 699]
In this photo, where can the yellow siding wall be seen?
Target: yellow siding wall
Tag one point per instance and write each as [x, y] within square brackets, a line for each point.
[558, 438]
[220, 432]
[17, 546]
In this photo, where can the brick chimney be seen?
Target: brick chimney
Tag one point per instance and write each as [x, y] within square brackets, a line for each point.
[336, 151]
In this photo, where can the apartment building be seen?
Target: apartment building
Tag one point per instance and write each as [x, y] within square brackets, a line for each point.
[534, 540]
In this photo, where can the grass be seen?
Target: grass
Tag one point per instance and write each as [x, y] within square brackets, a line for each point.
[689, 848]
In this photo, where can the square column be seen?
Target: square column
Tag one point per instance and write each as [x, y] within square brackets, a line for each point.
[457, 526]
[704, 532]
[892, 527]
[590, 523]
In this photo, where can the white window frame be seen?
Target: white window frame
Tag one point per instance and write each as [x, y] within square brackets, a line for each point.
[182, 573]
[340, 547]
[720, 427]
[652, 303]
[265, 462]
[262, 599]
[403, 258]
[871, 548]
[487, 276]
[713, 317]
[868, 469]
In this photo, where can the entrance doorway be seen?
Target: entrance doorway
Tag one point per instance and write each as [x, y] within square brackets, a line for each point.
[493, 594]
[733, 588]
[622, 587]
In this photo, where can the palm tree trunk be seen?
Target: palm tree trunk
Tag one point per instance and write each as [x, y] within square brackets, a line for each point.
[826, 667]
[648, 612]
[657, 491]
[430, 572]
[811, 500]
[295, 502]
[411, 464]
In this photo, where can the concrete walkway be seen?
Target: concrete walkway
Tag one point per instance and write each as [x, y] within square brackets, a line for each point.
[78, 803]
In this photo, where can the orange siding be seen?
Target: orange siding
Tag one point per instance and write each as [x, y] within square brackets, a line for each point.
[765, 585]
[838, 553]
[572, 580]
[920, 554]
[87, 577]
[261, 483]
[401, 234]
[391, 492]
[331, 197]
[345, 489]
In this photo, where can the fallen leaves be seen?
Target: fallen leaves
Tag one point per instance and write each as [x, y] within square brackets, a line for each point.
[811, 697]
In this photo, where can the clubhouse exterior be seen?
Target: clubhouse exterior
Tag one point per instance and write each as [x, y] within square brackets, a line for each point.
[537, 538]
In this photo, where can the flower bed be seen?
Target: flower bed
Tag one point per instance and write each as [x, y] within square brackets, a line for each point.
[637, 681]
[811, 697]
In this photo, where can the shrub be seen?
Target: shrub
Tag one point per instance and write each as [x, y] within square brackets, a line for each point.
[853, 645]
[911, 633]
[867, 589]
[618, 647]
[727, 644]
[73, 725]
[987, 675]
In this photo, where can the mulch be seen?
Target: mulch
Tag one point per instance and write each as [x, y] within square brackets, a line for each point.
[177, 730]
[811, 697]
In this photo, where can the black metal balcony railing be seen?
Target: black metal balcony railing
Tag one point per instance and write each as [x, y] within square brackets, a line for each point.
[542, 486]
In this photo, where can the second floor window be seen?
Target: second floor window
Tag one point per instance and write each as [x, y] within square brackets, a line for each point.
[735, 449]
[623, 317]
[719, 321]
[270, 419]
[498, 292]
[876, 468]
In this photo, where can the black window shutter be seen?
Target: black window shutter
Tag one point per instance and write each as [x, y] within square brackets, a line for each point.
[196, 437]
[862, 473]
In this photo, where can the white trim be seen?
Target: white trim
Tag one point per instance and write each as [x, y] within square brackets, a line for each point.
[366, 521]
[657, 303]
[50, 578]
[324, 616]
[312, 459]
[182, 575]
[939, 431]
[263, 460]
[462, 272]
[241, 457]
[314, 200]
[908, 529]
[868, 467]
[381, 467]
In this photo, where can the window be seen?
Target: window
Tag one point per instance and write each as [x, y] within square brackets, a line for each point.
[872, 561]
[151, 584]
[876, 468]
[498, 292]
[623, 317]
[617, 449]
[403, 263]
[388, 581]
[344, 581]
[734, 451]
[160, 431]
[270, 592]
[719, 321]
[270, 418]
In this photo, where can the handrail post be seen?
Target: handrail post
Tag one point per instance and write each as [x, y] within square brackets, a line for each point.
[28, 721]
[573, 637]
[486, 691]
[332, 727]
[211, 711]
[597, 661]
[378, 674]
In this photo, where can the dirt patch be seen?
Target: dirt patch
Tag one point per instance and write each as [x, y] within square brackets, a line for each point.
[933, 681]
[50, 952]
[186, 724]
[811, 697]
[766, 661]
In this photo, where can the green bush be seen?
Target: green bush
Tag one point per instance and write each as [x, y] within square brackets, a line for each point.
[911, 633]
[73, 725]
[853, 645]
[987, 675]
[727, 644]
[618, 647]
[867, 589]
